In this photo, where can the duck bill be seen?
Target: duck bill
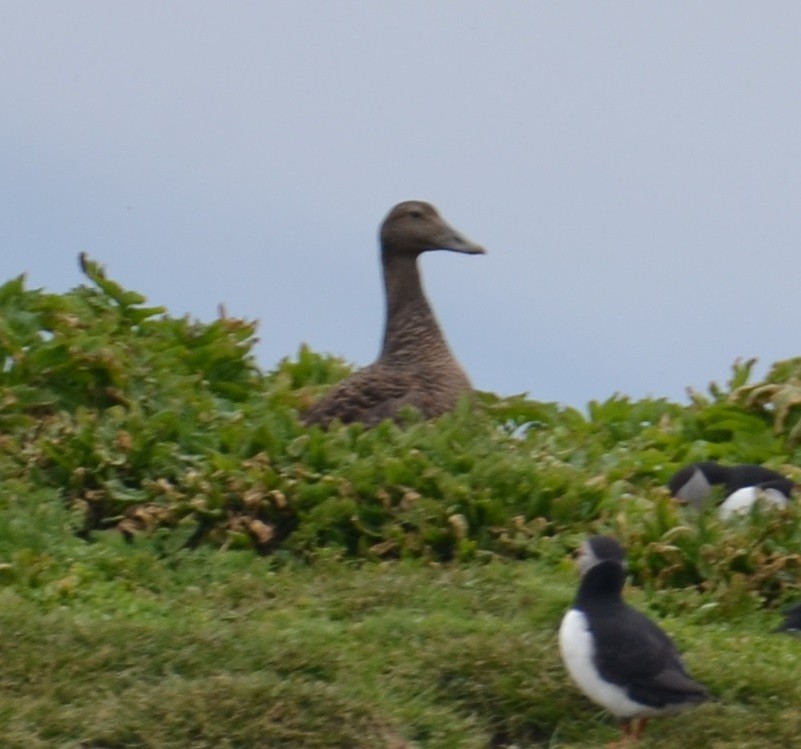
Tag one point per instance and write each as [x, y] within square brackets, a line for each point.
[455, 241]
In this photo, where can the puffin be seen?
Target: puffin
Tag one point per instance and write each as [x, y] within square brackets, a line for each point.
[792, 620]
[618, 657]
[415, 366]
[693, 484]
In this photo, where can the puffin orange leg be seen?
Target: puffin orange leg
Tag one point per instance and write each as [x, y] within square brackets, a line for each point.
[628, 736]
[639, 728]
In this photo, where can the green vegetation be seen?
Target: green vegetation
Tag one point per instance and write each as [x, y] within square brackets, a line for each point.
[183, 564]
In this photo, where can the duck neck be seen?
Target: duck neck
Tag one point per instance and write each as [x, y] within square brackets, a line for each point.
[411, 329]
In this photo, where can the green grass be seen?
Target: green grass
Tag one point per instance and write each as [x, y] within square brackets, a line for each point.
[184, 565]
[121, 648]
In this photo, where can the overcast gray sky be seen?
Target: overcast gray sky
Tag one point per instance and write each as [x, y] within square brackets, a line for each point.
[633, 169]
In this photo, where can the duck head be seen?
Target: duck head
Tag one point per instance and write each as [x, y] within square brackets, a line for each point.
[413, 227]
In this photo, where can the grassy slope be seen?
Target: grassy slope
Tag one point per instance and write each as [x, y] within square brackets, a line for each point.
[112, 645]
[117, 420]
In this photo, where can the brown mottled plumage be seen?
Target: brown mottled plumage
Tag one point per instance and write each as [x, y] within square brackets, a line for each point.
[415, 367]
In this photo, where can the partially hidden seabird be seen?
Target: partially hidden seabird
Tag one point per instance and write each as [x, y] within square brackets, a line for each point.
[742, 484]
[415, 367]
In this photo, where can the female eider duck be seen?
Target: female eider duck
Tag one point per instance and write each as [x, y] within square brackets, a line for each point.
[743, 485]
[416, 367]
[617, 656]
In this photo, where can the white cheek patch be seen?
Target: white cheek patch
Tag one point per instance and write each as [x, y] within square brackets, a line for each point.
[586, 558]
[696, 490]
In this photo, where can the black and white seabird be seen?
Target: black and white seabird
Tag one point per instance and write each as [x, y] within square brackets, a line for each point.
[617, 656]
[742, 485]
[792, 620]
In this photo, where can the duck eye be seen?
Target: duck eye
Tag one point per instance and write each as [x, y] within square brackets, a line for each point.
[415, 213]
